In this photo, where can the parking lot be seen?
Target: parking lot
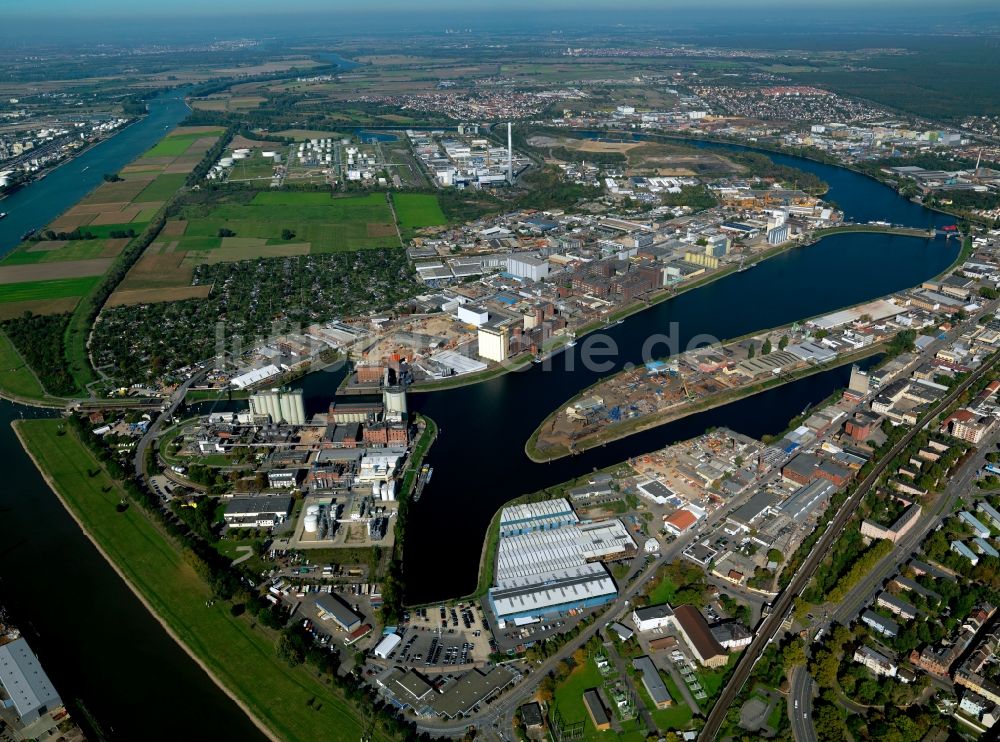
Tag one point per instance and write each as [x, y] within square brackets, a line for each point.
[443, 637]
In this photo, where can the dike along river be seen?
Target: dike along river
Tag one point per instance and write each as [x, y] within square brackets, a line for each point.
[98, 643]
[102, 647]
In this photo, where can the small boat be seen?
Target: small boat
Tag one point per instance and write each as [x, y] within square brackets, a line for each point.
[3, 214]
[85, 169]
[620, 322]
[571, 344]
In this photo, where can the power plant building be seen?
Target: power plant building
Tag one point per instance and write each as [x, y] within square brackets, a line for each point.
[280, 405]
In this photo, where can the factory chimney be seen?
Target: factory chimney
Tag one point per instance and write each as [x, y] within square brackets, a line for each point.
[510, 156]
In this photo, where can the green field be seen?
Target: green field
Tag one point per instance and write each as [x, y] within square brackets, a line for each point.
[569, 700]
[161, 188]
[243, 658]
[176, 145]
[15, 376]
[59, 288]
[72, 250]
[674, 717]
[328, 224]
[415, 210]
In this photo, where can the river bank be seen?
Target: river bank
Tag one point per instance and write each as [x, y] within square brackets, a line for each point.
[28, 443]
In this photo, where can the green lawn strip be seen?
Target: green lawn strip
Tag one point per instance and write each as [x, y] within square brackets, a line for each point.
[58, 288]
[241, 657]
[16, 377]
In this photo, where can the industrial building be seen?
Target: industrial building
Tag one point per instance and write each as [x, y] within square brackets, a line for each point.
[332, 606]
[653, 617]
[548, 562]
[257, 512]
[695, 632]
[528, 266]
[536, 516]
[387, 646]
[279, 406]
[531, 596]
[25, 683]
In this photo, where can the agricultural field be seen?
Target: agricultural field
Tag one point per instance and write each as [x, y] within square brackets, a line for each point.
[49, 273]
[416, 210]
[244, 225]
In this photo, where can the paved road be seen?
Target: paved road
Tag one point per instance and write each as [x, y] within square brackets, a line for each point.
[783, 603]
[800, 705]
[176, 398]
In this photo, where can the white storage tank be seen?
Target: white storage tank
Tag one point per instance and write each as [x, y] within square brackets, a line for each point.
[376, 491]
[311, 524]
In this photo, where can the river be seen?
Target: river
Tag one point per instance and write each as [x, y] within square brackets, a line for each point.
[38, 203]
[101, 646]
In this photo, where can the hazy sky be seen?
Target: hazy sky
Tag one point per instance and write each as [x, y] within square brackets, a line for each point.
[174, 8]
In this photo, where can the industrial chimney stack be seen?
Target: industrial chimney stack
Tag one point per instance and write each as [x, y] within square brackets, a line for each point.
[510, 156]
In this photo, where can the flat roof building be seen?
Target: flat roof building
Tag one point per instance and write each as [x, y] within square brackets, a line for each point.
[577, 588]
[595, 709]
[333, 606]
[536, 516]
[653, 617]
[25, 682]
[257, 512]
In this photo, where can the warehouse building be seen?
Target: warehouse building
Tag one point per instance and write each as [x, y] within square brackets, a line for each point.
[653, 617]
[257, 512]
[333, 607]
[559, 591]
[536, 516]
[563, 548]
[25, 683]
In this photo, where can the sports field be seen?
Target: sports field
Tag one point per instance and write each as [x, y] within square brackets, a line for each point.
[416, 210]
[243, 658]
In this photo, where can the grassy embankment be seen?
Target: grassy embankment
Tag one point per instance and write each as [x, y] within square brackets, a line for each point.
[416, 459]
[18, 382]
[289, 703]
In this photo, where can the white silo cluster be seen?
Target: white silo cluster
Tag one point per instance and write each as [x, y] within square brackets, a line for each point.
[359, 164]
[384, 491]
[315, 152]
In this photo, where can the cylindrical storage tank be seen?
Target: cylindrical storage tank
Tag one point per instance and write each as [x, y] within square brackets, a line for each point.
[312, 510]
[376, 492]
[312, 524]
[390, 490]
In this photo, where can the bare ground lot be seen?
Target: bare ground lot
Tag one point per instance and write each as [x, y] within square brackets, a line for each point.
[53, 270]
[13, 310]
[152, 296]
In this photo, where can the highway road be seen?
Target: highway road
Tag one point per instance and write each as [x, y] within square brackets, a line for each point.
[783, 603]
[139, 460]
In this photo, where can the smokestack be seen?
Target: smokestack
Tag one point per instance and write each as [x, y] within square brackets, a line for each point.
[510, 156]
